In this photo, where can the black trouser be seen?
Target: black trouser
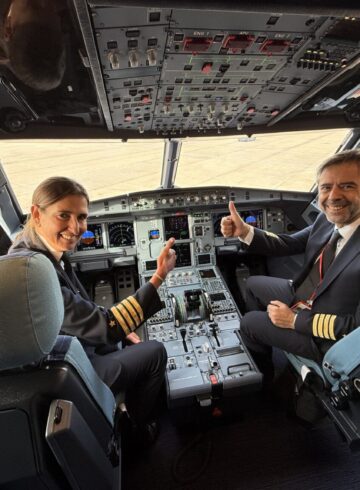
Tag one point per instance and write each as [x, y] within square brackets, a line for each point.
[139, 371]
[259, 333]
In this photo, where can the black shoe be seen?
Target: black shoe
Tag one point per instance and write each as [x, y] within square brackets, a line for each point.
[147, 434]
[135, 437]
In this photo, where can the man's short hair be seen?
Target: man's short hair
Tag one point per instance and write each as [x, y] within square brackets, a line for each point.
[37, 55]
[348, 156]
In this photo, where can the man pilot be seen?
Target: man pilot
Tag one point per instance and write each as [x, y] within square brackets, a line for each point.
[31, 42]
[308, 315]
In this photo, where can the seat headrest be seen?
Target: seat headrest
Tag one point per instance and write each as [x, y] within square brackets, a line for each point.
[31, 308]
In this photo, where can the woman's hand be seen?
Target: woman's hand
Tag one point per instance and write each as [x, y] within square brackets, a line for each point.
[133, 338]
[165, 263]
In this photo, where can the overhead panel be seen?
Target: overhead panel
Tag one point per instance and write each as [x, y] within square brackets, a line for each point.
[174, 71]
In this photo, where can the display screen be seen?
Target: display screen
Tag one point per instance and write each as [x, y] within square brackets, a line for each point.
[183, 254]
[252, 217]
[204, 259]
[154, 234]
[92, 238]
[150, 265]
[177, 227]
[206, 273]
[217, 297]
[121, 234]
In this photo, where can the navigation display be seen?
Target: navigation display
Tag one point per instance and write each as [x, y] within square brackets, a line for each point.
[121, 234]
[177, 227]
[183, 255]
[252, 217]
[92, 238]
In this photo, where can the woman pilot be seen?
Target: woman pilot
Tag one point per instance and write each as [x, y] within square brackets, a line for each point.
[57, 221]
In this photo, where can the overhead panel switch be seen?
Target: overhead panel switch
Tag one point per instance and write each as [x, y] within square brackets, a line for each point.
[207, 67]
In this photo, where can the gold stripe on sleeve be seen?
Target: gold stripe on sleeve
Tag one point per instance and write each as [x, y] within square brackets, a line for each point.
[326, 326]
[137, 307]
[132, 311]
[315, 325]
[270, 233]
[321, 325]
[331, 327]
[120, 320]
[129, 320]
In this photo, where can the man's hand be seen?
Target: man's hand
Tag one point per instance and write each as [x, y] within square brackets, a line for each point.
[233, 225]
[165, 263]
[280, 314]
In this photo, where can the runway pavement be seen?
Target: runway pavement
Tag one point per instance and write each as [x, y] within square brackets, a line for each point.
[110, 167]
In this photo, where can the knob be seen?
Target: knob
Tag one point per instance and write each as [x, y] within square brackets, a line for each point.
[133, 58]
[151, 57]
[114, 59]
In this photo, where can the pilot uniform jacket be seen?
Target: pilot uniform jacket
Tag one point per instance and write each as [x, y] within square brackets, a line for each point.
[137, 370]
[94, 326]
[336, 305]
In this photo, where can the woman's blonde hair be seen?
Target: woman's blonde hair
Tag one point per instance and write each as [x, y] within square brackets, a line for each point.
[51, 191]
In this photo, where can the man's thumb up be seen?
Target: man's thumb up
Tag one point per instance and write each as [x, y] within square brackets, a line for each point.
[234, 214]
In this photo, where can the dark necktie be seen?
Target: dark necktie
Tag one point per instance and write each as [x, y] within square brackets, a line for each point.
[307, 288]
[328, 254]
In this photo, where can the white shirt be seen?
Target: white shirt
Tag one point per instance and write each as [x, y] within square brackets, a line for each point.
[55, 253]
[346, 233]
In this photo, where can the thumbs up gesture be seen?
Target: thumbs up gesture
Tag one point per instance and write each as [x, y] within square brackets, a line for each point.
[233, 225]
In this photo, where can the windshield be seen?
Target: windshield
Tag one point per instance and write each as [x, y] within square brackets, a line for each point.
[108, 168]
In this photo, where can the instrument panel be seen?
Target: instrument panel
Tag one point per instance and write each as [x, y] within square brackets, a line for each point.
[199, 324]
[106, 236]
[254, 217]
[121, 234]
[92, 239]
[137, 225]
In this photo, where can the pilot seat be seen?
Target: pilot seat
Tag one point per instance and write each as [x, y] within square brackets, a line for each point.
[56, 415]
[335, 385]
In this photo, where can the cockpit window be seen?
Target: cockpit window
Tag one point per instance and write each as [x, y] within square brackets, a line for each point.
[107, 168]
[284, 161]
